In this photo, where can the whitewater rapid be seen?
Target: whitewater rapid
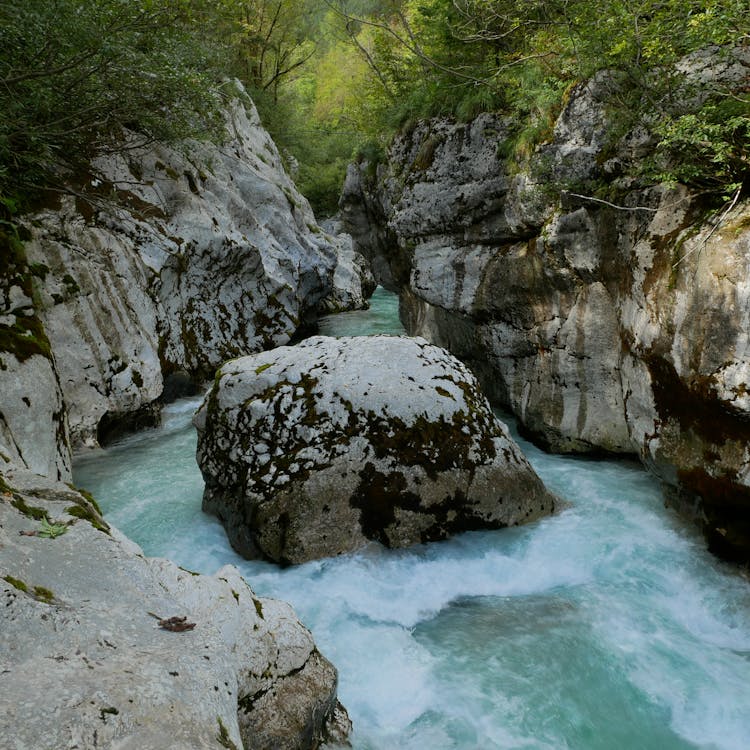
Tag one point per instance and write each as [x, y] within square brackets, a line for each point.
[607, 625]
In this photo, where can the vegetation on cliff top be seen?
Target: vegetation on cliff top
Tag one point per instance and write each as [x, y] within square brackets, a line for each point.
[461, 57]
[332, 77]
[74, 73]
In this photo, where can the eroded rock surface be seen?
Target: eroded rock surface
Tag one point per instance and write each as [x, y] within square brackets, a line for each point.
[353, 281]
[85, 663]
[313, 450]
[172, 259]
[620, 328]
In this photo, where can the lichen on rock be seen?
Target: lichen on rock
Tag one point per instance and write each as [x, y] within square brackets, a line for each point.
[314, 450]
[87, 657]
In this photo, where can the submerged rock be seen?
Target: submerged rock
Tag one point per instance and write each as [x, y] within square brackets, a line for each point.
[103, 647]
[313, 450]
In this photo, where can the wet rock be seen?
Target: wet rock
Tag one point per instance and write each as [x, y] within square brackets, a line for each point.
[313, 450]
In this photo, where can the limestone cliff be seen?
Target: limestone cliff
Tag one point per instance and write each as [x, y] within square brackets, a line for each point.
[151, 270]
[162, 261]
[617, 326]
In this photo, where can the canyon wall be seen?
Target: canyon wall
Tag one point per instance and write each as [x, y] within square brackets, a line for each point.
[615, 324]
[156, 266]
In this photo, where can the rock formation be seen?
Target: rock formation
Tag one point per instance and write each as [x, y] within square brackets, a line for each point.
[153, 270]
[618, 326]
[312, 450]
[33, 420]
[353, 281]
[167, 261]
[109, 649]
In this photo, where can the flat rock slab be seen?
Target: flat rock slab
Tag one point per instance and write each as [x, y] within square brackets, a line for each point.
[313, 450]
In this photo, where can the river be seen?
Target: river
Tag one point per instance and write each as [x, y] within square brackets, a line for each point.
[605, 626]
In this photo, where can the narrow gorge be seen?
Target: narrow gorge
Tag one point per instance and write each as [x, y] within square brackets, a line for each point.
[466, 465]
[615, 326]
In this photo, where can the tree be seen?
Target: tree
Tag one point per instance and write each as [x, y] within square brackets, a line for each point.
[75, 73]
[271, 39]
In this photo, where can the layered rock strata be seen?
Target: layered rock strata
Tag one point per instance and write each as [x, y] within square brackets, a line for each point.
[615, 325]
[314, 450]
[110, 649]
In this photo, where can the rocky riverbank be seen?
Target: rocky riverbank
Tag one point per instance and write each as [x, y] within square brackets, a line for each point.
[133, 286]
[103, 647]
[155, 269]
[616, 325]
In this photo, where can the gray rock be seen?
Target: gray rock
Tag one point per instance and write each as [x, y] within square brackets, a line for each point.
[353, 282]
[314, 450]
[33, 420]
[84, 662]
[603, 328]
[209, 252]
[33, 425]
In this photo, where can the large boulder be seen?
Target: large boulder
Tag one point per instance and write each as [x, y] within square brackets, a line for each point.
[103, 647]
[616, 326]
[312, 450]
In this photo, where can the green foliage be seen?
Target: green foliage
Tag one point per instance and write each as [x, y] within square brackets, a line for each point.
[74, 73]
[330, 77]
[461, 57]
[51, 530]
[708, 147]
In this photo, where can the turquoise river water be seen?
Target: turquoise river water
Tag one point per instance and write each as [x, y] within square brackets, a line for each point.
[605, 626]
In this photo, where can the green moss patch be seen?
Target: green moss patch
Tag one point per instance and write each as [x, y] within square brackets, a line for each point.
[426, 154]
[17, 583]
[40, 593]
[89, 497]
[223, 737]
[25, 337]
[87, 514]
[30, 511]
[43, 594]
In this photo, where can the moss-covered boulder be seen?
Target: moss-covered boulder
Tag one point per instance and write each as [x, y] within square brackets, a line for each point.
[313, 450]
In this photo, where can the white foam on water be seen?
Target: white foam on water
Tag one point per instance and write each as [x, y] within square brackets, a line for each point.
[605, 626]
